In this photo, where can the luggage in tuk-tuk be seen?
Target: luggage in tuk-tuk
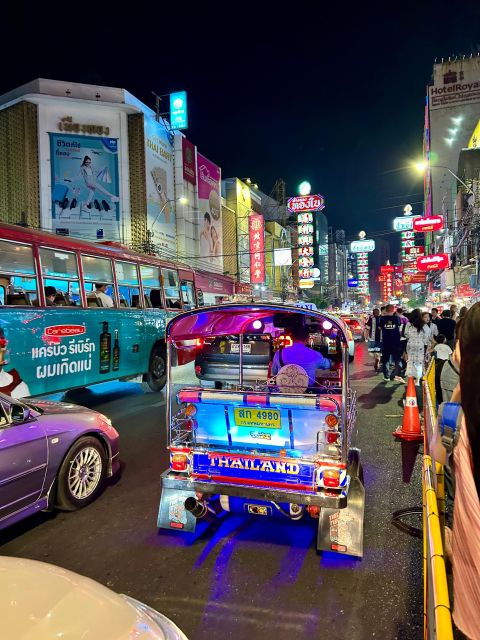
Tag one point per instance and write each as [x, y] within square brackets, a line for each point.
[261, 421]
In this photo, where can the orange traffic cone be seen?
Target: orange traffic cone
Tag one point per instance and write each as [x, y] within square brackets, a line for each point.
[410, 429]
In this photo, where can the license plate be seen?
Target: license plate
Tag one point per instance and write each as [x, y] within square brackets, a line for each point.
[263, 418]
[235, 348]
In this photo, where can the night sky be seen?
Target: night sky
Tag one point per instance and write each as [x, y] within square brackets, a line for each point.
[327, 95]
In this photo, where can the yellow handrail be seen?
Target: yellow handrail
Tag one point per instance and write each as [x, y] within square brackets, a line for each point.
[437, 613]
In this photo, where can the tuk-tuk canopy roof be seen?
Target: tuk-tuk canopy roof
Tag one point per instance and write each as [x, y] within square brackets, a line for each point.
[228, 319]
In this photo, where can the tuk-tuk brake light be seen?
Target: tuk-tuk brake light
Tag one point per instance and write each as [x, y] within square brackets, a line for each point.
[332, 437]
[190, 425]
[179, 461]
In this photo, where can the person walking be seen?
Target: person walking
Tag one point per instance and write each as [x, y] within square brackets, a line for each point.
[446, 326]
[430, 326]
[403, 340]
[418, 339]
[454, 311]
[434, 315]
[373, 335]
[450, 374]
[465, 448]
[441, 352]
[390, 325]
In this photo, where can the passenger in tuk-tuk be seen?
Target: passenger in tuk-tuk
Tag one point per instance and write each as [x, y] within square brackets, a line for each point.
[298, 353]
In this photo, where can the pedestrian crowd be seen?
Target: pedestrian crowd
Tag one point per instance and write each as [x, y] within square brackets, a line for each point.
[453, 339]
[403, 344]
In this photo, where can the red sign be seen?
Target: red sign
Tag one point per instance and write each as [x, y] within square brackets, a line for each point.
[256, 231]
[387, 268]
[189, 167]
[464, 291]
[306, 203]
[415, 251]
[65, 330]
[429, 223]
[433, 262]
[414, 278]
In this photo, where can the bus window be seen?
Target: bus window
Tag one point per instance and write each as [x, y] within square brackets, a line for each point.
[17, 274]
[128, 285]
[98, 271]
[172, 289]
[151, 286]
[188, 294]
[59, 269]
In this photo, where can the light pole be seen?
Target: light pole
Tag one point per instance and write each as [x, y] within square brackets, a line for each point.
[422, 166]
[149, 242]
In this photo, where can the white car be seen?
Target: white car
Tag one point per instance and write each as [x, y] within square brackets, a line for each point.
[43, 602]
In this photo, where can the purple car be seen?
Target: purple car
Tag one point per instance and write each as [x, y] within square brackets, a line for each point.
[52, 454]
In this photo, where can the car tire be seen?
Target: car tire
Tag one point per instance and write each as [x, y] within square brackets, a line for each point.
[156, 377]
[83, 471]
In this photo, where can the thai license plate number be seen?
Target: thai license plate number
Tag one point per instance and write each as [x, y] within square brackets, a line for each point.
[235, 348]
[263, 418]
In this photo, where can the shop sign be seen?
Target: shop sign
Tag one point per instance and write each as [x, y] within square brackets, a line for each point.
[415, 251]
[387, 268]
[306, 203]
[434, 262]
[306, 284]
[189, 166]
[67, 125]
[256, 230]
[403, 223]
[352, 282]
[408, 243]
[414, 278]
[362, 246]
[429, 223]
[178, 110]
[464, 291]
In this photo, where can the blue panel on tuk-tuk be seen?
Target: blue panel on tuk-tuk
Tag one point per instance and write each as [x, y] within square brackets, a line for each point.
[298, 429]
[256, 468]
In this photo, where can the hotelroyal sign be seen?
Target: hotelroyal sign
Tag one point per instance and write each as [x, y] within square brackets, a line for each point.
[306, 203]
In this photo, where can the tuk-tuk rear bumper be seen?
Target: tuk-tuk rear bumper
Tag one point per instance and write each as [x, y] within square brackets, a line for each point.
[269, 494]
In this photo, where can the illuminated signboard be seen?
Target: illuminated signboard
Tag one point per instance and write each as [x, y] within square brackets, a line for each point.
[387, 268]
[430, 223]
[178, 110]
[362, 246]
[352, 282]
[256, 231]
[403, 223]
[433, 262]
[306, 203]
[415, 251]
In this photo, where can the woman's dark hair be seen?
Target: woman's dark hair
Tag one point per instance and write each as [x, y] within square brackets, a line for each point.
[416, 320]
[85, 160]
[469, 368]
[463, 312]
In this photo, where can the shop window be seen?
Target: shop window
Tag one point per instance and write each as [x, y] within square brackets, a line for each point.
[172, 288]
[128, 284]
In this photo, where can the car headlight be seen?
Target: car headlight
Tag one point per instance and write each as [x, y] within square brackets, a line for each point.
[164, 625]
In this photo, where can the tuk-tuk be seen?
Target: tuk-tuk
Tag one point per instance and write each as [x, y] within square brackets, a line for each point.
[261, 421]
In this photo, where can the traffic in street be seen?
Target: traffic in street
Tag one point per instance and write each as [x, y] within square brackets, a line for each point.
[241, 577]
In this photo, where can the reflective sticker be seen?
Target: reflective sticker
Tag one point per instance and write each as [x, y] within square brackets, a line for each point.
[411, 402]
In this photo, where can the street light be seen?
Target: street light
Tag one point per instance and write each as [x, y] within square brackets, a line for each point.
[422, 166]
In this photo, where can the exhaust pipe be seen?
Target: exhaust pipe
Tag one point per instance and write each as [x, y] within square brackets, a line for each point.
[196, 508]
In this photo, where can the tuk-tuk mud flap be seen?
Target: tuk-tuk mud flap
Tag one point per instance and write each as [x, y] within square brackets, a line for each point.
[341, 530]
[172, 513]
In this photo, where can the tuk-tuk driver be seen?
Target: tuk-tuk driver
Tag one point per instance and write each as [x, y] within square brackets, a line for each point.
[301, 355]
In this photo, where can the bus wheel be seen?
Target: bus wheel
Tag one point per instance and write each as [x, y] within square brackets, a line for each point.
[156, 377]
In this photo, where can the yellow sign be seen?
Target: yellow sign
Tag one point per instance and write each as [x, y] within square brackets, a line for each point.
[474, 141]
[263, 418]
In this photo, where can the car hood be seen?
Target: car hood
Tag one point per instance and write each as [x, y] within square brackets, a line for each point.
[44, 602]
[56, 407]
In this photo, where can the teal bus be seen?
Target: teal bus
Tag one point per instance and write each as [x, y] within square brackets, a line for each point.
[74, 313]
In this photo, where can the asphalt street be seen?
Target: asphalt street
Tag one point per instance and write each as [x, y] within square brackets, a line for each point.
[247, 578]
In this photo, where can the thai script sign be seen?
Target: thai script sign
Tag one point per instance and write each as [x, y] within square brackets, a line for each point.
[430, 223]
[433, 262]
[306, 203]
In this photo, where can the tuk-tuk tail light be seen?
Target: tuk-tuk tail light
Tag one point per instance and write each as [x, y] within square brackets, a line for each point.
[331, 420]
[179, 461]
[332, 437]
[190, 425]
[190, 410]
[331, 478]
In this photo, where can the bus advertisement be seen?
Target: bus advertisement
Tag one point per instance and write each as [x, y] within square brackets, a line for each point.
[75, 313]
